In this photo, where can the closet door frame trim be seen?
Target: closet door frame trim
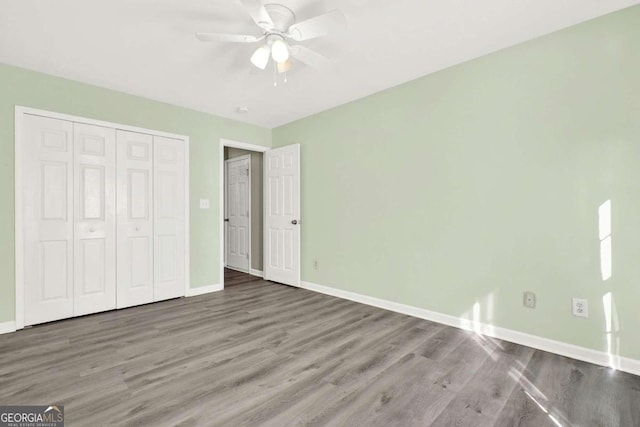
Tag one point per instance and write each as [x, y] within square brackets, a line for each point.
[20, 112]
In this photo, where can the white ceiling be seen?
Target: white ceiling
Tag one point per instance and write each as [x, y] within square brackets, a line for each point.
[148, 48]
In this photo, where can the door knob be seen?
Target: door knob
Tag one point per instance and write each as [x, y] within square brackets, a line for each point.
[294, 222]
[226, 220]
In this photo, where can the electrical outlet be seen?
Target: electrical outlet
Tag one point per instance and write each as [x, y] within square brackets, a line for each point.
[529, 299]
[204, 203]
[580, 307]
[315, 264]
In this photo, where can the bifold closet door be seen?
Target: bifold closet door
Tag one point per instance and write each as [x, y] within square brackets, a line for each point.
[169, 218]
[104, 218]
[94, 219]
[135, 218]
[47, 209]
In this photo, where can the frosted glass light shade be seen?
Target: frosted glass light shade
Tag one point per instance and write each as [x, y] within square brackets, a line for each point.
[260, 57]
[279, 51]
[284, 66]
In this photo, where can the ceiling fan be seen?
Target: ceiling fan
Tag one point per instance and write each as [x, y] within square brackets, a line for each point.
[280, 34]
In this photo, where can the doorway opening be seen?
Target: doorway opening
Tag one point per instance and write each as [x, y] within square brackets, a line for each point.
[241, 205]
[275, 252]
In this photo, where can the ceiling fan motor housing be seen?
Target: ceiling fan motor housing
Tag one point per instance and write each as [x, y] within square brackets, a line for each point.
[282, 17]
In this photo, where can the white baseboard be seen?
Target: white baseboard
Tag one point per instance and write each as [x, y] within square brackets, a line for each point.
[252, 271]
[7, 327]
[192, 292]
[564, 349]
[237, 269]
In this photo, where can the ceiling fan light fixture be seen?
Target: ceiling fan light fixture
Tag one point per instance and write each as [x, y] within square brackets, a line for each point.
[279, 27]
[260, 57]
[279, 51]
[285, 66]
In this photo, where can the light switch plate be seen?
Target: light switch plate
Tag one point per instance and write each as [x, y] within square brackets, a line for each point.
[204, 203]
[529, 299]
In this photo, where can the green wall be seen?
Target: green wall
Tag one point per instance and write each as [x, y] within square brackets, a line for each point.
[31, 89]
[476, 183]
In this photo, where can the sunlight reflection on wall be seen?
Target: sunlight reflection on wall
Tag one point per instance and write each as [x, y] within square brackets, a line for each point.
[604, 231]
[612, 327]
[606, 269]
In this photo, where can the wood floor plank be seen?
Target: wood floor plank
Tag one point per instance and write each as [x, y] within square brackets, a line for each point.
[462, 363]
[402, 394]
[263, 354]
[558, 390]
[486, 393]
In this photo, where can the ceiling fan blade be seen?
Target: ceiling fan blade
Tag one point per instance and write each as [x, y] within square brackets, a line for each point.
[233, 38]
[318, 26]
[258, 13]
[309, 57]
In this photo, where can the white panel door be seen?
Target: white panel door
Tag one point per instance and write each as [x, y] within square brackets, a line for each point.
[282, 215]
[135, 218]
[169, 218]
[237, 221]
[94, 219]
[47, 176]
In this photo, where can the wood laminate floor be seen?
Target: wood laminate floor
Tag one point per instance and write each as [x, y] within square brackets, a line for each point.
[235, 278]
[259, 353]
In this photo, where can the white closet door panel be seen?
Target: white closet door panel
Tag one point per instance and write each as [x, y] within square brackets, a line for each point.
[48, 217]
[135, 218]
[169, 219]
[95, 219]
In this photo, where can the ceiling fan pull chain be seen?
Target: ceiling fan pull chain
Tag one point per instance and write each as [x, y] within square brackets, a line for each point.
[275, 74]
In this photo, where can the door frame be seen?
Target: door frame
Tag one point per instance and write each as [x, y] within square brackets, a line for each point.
[226, 201]
[20, 112]
[221, 196]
